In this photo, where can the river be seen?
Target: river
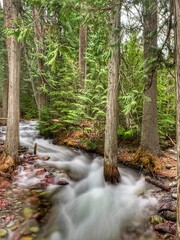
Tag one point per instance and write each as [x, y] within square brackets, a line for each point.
[84, 206]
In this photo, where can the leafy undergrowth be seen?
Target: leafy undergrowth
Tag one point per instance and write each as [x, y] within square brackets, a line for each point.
[80, 139]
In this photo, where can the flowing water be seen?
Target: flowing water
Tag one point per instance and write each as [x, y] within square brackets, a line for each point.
[85, 207]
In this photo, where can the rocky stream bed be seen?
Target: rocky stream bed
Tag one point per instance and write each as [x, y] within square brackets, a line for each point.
[24, 211]
[26, 198]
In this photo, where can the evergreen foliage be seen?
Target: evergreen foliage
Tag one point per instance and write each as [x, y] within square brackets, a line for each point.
[68, 103]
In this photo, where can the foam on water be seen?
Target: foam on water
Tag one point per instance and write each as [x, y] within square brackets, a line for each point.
[95, 210]
[87, 208]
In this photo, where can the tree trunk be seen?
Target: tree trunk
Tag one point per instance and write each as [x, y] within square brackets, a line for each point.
[39, 35]
[11, 10]
[6, 81]
[82, 52]
[177, 44]
[5, 90]
[149, 133]
[111, 173]
[30, 75]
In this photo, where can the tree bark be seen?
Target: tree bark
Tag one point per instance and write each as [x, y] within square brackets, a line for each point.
[177, 47]
[39, 36]
[5, 90]
[111, 173]
[149, 133]
[6, 81]
[11, 11]
[30, 75]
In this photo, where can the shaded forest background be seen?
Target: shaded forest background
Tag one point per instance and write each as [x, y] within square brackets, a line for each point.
[68, 90]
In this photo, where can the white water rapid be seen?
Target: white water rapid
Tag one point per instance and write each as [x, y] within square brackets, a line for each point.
[87, 208]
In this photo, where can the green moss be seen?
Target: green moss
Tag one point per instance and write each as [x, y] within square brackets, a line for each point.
[145, 159]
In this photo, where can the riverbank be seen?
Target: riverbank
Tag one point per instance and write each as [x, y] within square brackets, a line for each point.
[24, 210]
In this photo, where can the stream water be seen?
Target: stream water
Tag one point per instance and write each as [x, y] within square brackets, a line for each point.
[85, 207]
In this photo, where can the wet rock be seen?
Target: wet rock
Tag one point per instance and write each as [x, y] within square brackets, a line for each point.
[169, 206]
[3, 232]
[168, 166]
[168, 215]
[63, 182]
[45, 158]
[172, 151]
[173, 184]
[167, 227]
[49, 179]
[174, 195]
[40, 172]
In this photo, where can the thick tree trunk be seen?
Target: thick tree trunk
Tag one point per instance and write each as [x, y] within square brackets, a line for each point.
[82, 52]
[11, 10]
[149, 133]
[111, 172]
[39, 40]
[177, 42]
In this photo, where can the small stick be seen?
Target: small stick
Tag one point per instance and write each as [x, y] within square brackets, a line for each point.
[171, 140]
[35, 149]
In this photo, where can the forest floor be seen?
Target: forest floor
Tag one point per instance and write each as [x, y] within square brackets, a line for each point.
[23, 212]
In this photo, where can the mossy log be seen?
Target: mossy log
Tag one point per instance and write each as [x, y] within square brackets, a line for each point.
[111, 173]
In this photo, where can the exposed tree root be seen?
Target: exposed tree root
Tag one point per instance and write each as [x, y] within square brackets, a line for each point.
[111, 173]
[146, 159]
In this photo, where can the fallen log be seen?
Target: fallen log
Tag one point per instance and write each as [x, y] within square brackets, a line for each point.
[158, 184]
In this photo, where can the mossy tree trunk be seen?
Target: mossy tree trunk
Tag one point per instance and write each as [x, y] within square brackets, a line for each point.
[177, 44]
[111, 173]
